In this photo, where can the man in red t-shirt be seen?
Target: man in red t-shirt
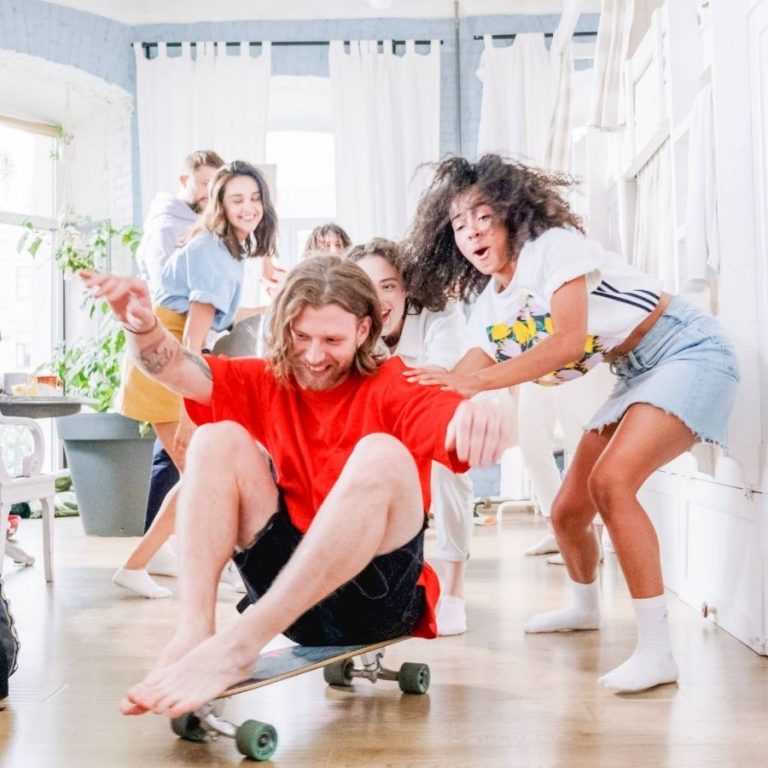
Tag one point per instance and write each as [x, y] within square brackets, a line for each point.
[330, 539]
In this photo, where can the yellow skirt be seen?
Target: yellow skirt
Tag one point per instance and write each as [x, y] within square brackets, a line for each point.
[145, 399]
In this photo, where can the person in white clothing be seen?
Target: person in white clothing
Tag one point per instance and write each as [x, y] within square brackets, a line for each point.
[434, 338]
[540, 411]
[552, 305]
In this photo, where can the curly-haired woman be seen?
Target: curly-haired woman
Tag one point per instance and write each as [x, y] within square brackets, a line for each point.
[552, 305]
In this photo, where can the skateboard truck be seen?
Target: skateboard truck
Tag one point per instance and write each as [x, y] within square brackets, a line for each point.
[258, 740]
[254, 739]
[412, 678]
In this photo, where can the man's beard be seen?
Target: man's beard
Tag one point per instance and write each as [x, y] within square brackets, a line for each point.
[328, 380]
[198, 205]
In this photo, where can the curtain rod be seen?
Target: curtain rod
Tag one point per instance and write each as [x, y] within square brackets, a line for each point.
[513, 35]
[149, 46]
[44, 129]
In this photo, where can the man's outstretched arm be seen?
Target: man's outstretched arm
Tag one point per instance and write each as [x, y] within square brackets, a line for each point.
[478, 432]
[156, 351]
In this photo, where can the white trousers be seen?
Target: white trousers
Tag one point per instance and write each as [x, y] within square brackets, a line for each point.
[452, 500]
[540, 410]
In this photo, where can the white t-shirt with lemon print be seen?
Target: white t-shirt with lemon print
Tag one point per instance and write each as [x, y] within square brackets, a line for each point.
[506, 323]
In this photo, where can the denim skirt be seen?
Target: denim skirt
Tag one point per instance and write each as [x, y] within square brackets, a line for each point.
[685, 366]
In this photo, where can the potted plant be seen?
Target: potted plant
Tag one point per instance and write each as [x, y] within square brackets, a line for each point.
[109, 455]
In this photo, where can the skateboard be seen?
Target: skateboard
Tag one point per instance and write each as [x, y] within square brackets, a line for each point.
[258, 740]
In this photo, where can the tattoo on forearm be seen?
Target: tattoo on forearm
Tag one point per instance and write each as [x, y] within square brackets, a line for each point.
[200, 363]
[154, 360]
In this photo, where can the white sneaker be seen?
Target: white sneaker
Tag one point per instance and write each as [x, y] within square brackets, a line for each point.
[546, 546]
[558, 559]
[232, 578]
[140, 583]
[164, 562]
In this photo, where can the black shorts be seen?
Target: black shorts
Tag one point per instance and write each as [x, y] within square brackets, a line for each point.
[382, 602]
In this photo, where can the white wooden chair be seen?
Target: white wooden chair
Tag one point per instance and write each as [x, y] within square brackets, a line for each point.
[30, 484]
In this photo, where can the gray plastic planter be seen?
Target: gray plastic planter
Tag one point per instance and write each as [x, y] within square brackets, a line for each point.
[110, 464]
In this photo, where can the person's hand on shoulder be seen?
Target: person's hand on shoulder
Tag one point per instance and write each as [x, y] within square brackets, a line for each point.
[464, 383]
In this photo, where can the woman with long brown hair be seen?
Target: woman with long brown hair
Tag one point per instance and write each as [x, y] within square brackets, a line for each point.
[199, 293]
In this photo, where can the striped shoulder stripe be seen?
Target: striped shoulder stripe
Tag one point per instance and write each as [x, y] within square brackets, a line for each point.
[640, 298]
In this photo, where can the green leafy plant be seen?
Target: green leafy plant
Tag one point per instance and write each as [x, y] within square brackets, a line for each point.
[91, 367]
[87, 367]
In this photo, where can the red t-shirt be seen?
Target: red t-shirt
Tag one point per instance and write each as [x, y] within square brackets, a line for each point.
[310, 435]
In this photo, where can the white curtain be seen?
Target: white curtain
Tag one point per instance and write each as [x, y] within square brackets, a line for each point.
[386, 122]
[206, 98]
[519, 90]
[560, 142]
[613, 36]
[702, 244]
[653, 249]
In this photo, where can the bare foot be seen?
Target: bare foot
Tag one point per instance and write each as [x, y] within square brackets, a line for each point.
[182, 643]
[203, 673]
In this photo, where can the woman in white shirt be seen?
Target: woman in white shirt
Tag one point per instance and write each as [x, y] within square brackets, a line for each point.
[435, 339]
[552, 305]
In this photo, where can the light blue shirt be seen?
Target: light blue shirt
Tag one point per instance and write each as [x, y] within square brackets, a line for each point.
[206, 272]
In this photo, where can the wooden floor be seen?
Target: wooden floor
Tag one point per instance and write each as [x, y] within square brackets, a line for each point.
[498, 697]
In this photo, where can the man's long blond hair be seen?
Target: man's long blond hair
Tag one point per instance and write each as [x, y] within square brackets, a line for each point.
[316, 283]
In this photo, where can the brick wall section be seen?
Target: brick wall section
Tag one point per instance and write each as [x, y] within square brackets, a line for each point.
[92, 43]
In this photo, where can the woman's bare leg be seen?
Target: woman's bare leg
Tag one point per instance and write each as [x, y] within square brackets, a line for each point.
[647, 438]
[133, 573]
[159, 532]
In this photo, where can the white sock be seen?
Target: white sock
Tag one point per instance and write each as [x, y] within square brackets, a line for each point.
[583, 613]
[652, 662]
[164, 562]
[140, 582]
[451, 616]
[547, 546]
[232, 578]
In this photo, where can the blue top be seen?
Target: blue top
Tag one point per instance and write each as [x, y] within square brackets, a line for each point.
[206, 272]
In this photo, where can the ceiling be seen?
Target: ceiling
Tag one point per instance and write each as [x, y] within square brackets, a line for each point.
[190, 11]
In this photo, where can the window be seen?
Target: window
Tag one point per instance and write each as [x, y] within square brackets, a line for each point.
[23, 344]
[27, 188]
[27, 169]
[300, 143]
[23, 283]
[30, 309]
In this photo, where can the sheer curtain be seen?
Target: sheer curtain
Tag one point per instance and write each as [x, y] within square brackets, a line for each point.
[386, 122]
[519, 90]
[208, 97]
[611, 48]
[654, 240]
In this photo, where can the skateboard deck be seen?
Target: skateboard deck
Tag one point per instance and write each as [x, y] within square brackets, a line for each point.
[273, 666]
[258, 740]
